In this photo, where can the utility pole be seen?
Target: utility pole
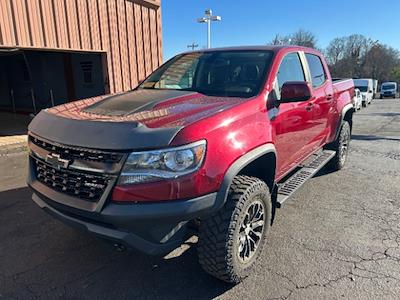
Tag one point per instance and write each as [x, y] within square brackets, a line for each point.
[193, 46]
[208, 18]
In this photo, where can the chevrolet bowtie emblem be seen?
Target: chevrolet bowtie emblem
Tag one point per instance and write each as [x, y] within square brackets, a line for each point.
[56, 161]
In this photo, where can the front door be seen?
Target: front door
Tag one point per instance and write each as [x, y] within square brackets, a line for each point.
[292, 121]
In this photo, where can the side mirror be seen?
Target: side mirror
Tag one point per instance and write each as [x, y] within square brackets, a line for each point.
[295, 91]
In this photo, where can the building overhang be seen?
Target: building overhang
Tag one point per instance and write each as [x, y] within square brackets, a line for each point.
[149, 3]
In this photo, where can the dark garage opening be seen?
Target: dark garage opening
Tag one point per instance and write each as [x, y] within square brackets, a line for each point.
[32, 80]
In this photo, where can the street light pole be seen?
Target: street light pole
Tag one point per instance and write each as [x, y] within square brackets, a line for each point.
[193, 46]
[208, 32]
[208, 18]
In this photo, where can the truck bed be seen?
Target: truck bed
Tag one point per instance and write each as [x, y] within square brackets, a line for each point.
[343, 84]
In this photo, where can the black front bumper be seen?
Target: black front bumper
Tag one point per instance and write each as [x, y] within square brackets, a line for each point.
[152, 228]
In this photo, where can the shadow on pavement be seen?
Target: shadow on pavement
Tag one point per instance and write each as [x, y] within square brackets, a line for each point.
[383, 114]
[362, 137]
[42, 258]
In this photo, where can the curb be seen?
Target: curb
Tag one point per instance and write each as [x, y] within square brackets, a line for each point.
[13, 148]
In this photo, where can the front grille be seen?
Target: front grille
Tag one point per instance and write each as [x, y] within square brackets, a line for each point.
[84, 186]
[71, 153]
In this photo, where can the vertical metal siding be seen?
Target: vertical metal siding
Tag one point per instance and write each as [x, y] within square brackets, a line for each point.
[127, 31]
[60, 21]
[106, 41]
[146, 40]
[94, 24]
[139, 40]
[123, 46]
[83, 24]
[159, 35]
[35, 23]
[130, 31]
[7, 27]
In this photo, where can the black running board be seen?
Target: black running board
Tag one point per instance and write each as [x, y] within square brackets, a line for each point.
[308, 170]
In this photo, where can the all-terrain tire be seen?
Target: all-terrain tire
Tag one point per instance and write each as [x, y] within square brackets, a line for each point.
[341, 146]
[222, 235]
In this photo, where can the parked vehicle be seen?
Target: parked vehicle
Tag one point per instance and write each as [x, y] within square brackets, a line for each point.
[357, 100]
[218, 138]
[388, 89]
[365, 85]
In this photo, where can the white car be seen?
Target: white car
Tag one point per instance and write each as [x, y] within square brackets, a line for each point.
[357, 99]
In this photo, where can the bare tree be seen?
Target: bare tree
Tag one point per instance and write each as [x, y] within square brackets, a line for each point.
[335, 50]
[358, 56]
[300, 38]
[304, 38]
[395, 74]
[276, 40]
[351, 56]
[381, 62]
[280, 40]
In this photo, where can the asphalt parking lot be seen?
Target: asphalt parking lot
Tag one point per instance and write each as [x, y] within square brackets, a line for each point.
[337, 238]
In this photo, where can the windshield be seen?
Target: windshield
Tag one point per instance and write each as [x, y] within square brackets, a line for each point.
[388, 87]
[362, 89]
[219, 73]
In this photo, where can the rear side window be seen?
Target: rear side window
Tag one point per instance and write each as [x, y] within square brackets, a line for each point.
[290, 70]
[317, 71]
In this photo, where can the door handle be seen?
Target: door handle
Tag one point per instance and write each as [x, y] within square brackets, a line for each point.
[329, 97]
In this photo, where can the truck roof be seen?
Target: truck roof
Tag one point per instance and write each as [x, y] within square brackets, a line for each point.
[274, 48]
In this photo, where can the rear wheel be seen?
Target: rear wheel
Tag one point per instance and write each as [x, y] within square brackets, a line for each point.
[231, 241]
[341, 146]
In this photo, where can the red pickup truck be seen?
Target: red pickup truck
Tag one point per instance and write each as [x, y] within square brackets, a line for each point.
[215, 138]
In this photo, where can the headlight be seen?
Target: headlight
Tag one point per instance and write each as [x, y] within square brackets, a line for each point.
[147, 166]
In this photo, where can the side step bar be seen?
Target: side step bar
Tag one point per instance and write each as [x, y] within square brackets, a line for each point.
[308, 170]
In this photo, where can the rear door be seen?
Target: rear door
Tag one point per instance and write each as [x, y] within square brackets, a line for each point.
[322, 101]
[293, 121]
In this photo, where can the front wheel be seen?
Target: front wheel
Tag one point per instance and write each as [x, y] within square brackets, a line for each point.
[341, 146]
[231, 240]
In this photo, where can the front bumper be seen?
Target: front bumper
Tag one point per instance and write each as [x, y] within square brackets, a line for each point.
[388, 95]
[152, 228]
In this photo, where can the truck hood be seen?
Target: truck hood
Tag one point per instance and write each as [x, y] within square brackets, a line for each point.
[135, 120]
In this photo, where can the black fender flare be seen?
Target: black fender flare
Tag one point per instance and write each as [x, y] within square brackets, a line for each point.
[236, 167]
[345, 109]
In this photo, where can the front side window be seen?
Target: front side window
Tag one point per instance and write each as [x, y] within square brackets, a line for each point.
[233, 73]
[317, 71]
[290, 69]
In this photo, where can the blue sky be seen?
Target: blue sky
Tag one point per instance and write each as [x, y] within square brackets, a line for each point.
[255, 24]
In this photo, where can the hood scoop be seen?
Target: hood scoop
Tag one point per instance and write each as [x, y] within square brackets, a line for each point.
[133, 102]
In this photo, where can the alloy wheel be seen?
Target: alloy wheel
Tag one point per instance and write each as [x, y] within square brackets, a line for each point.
[251, 231]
